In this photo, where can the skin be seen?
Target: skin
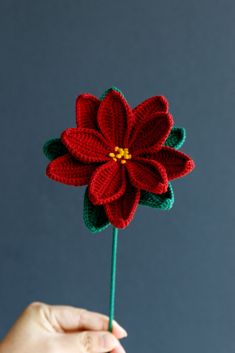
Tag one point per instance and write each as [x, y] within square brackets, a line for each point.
[43, 328]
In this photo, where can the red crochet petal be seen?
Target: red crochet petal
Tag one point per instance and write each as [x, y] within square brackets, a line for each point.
[151, 133]
[115, 118]
[148, 175]
[150, 107]
[121, 212]
[108, 183]
[86, 111]
[87, 145]
[176, 163]
[67, 170]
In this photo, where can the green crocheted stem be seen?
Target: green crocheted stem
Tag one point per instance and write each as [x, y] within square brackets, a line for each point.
[113, 278]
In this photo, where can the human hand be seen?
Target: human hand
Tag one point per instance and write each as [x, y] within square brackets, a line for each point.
[62, 329]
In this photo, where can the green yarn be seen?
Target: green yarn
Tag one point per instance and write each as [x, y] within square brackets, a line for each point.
[109, 89]
[94, 216]
[162, 201]
[54, 148]
[113, 278]
[176, 138]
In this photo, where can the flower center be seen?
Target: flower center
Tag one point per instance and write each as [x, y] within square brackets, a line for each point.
[120, 154]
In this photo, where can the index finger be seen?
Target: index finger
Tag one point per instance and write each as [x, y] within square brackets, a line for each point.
[72, 319]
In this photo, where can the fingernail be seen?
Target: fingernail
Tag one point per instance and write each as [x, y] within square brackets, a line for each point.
[121, 329]
[107, 340]
[119, 349]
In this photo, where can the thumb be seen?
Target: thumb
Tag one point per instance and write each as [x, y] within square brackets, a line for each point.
[93, 341]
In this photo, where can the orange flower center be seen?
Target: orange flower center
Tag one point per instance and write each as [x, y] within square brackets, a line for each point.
[120, 154]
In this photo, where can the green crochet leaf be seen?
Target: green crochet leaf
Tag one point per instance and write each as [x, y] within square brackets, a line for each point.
[109, 89]
[94, 216]
[176, 138]
[54, 148]
[163, 201]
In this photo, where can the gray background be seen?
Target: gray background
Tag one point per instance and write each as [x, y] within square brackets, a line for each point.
[176, 270]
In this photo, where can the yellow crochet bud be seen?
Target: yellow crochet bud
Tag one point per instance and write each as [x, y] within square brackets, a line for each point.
[121, 154]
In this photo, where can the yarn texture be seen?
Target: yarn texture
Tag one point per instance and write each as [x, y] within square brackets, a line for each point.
[125, 156]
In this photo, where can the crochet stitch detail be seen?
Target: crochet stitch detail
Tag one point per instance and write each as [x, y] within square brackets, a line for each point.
[120, 154]
[176, 138]
[94, 216]
[125, 156]
[163, 202]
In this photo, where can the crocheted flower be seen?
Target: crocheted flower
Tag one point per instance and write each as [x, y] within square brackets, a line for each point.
[125, 156]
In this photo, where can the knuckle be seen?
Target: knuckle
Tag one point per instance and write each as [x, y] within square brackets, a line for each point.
[35, 308]
[35, 304]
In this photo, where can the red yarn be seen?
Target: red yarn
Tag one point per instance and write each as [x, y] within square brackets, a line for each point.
[115, 178]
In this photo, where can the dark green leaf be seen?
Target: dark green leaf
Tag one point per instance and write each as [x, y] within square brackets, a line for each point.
[54, 148]
[163, 201]
[176, 138]
[94, 215]
[109, 89]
